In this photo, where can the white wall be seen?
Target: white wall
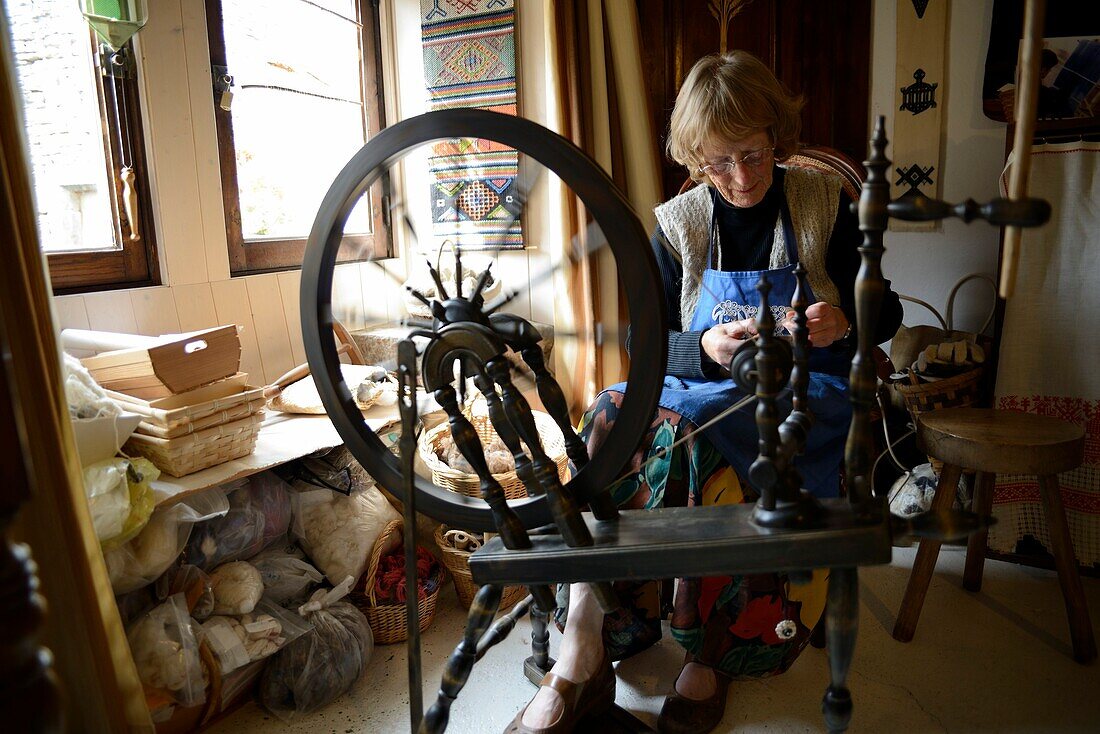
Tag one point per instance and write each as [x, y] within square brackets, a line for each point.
[926, 265]
[198, 291]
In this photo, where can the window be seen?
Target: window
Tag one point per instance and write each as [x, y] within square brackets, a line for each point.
[83, 128]
[297, 91]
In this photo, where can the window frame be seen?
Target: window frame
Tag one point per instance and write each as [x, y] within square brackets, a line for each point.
[250, 257]
[134, 263]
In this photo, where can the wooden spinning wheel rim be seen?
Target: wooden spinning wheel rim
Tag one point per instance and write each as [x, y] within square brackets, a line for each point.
[637, 270]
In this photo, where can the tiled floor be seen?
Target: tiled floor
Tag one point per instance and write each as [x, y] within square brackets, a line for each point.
[997, 661]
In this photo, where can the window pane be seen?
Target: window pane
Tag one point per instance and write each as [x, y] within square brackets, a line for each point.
[64, 129]
[297, 110]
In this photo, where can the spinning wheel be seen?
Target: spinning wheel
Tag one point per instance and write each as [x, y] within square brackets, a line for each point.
[466, 328]
[786, 530]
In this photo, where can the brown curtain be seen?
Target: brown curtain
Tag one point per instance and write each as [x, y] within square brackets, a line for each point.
[597, 80]
[99, 681]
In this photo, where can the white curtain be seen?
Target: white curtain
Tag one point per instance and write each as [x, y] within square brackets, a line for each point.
[597, 80]
[1049, 350]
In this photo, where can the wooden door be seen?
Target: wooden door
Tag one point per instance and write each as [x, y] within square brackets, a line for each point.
[821, 50]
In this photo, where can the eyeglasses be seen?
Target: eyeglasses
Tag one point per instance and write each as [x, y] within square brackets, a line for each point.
[752, 159]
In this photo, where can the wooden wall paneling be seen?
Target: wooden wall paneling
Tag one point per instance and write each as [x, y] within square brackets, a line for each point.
[852, 79]
[821, 50]
[542, 293]
[290, 282]
[170, 132]
[155, 311]
[111, 311]
[232, 306]
[195, 306]
[347, 295]
[70, 312]
[266, 301]
[395, 272]
[205, 136]
[512, 268]
[378, 294]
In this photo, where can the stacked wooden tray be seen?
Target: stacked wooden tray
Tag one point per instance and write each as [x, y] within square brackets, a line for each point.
[175, 365]
[196, 429]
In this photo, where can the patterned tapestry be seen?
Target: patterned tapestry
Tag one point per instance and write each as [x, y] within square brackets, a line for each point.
[470, 61]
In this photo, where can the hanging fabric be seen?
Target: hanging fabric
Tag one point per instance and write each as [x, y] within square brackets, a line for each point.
[919, 92]
[597, 72]
[1056, 292]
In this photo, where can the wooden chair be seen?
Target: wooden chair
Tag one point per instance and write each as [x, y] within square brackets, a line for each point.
[992, 442]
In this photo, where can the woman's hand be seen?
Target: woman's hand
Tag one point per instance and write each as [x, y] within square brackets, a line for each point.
[826, 323]
[720, 341]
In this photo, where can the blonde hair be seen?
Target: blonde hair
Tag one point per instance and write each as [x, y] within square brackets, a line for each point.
[727, 97]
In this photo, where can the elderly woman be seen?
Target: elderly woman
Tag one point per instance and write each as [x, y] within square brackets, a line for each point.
[732, 127]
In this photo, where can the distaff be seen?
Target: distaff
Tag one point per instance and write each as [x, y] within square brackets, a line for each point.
[1026, 103]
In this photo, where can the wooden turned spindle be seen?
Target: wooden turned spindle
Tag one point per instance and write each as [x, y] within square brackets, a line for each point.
[553, 399]
[841, 624]
[461, 663]
[525, 470]
[563, 507]
[795, 428]
[406, 403]
[458, 272]
[800, 373]
[441, 292]
[511, 530]
[478, 297]
[503, 627]
[539, 663]
[764, 472]
[523, 337]
[870, 287]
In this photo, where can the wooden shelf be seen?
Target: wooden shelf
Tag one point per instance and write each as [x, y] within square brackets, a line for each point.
[283, 437]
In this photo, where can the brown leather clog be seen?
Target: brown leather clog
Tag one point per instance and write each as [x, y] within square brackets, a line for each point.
[680, 715]
[593, 696]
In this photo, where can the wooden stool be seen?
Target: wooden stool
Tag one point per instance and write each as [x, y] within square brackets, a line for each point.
[991, 442]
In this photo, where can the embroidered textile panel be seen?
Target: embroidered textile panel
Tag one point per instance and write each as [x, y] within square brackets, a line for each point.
[919, 89]
[470, 61]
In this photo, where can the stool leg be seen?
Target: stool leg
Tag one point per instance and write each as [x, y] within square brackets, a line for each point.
[925, 562]
[975, 548]
[1080, 627]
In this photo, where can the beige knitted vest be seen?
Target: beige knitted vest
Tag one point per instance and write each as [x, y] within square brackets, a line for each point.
[813, 199]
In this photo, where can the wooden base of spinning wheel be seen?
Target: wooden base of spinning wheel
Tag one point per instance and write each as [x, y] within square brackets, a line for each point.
[615, 720]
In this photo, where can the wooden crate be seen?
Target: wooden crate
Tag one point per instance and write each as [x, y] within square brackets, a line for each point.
[172, 367]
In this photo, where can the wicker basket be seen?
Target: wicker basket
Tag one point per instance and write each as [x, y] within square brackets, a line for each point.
[468, 484]
[457, 562]
[187, 454]
[188, 419]
[387, 621]
[951, 392]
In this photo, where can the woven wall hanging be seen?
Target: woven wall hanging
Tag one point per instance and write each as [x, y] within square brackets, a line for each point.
[919, 91]
[470, 61]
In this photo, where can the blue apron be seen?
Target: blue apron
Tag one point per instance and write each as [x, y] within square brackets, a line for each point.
[727, 296]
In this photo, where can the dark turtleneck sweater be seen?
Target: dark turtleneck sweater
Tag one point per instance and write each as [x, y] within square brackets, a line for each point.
[747, 236]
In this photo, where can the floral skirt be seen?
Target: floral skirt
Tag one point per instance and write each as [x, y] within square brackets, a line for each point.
[727, 622]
